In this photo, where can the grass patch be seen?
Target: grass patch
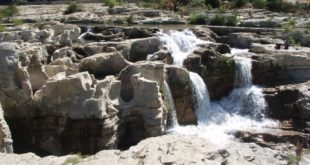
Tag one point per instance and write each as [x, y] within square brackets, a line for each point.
[2, 28]
[9, 12]
[198, 19]
[73, 7]
[18, 22]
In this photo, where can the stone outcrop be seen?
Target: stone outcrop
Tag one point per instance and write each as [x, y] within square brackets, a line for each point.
[142, 47]
[143, 113]
[15, 88]
[273, 66]
[289, 101]
[181, 89]
[104, 64]
[217, 70]
[5, 135]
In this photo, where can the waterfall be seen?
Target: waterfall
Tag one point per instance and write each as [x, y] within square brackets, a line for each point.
[202, 96]
[81, 37]
[242, 109]
[246, 99]
[171, 104]
[180, 43]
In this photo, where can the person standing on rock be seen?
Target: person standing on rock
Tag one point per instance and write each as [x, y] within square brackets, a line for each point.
[298, 149]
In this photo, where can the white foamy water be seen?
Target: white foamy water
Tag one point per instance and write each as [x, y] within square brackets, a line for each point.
[180, 43]
[172, 107]
[242, 110]
[202, 96]
[81, 37]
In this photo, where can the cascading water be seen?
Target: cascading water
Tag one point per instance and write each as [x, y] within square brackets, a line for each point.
[246, 99]
[172, 107]
[88, 30]
[179, 43]
[241, 110]
[202, 96]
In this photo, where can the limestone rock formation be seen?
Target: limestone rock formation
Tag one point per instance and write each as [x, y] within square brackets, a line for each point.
[181, 89]
[273, 66]
[5, 135]
[143, 113]
[289, 101]
[15, 88]
[140, 48]
[104, 64]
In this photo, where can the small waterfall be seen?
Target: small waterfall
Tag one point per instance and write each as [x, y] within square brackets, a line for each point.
[81, 37]
[246, 99]
[243, 72]
[241, 110]
[179, 43]
[202, 96]
[172, 107]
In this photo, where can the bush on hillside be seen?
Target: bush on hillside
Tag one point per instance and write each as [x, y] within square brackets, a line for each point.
[259, 4]
[9, 11]
[222, 20]
[73, 7]
[240, 3]
[198, 19]
[213, 3]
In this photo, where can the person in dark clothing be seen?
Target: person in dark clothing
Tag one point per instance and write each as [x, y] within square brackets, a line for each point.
[286, 44]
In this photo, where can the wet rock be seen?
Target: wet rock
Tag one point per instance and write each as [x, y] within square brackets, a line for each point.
[5, 135]
[217, 70]
[181, 89]
[159, 56]
[104, 64]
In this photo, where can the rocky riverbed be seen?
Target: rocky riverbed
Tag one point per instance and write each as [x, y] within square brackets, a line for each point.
[77, 89]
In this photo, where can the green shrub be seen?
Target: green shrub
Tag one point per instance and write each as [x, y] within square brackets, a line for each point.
[292, 159]
[240, 3]
[197, 3]
[72, 160]
[130, 19]
[2, 28]
[73, 7]
[284, 6]
[231, 20]
[18, 22]
[289, 26]
[112, 3]
[198, 19]
[259, 4]
[213, 3]
[218, 19]
[9, 11]
[19, 2]
[222, 20]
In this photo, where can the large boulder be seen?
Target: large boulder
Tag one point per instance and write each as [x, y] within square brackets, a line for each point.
[181, 90]
[15, 88]
[67, 110]
[5, 135]
[143, 113]
[104, 64]
[273, 66]
[140, 48]
[289, 101]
